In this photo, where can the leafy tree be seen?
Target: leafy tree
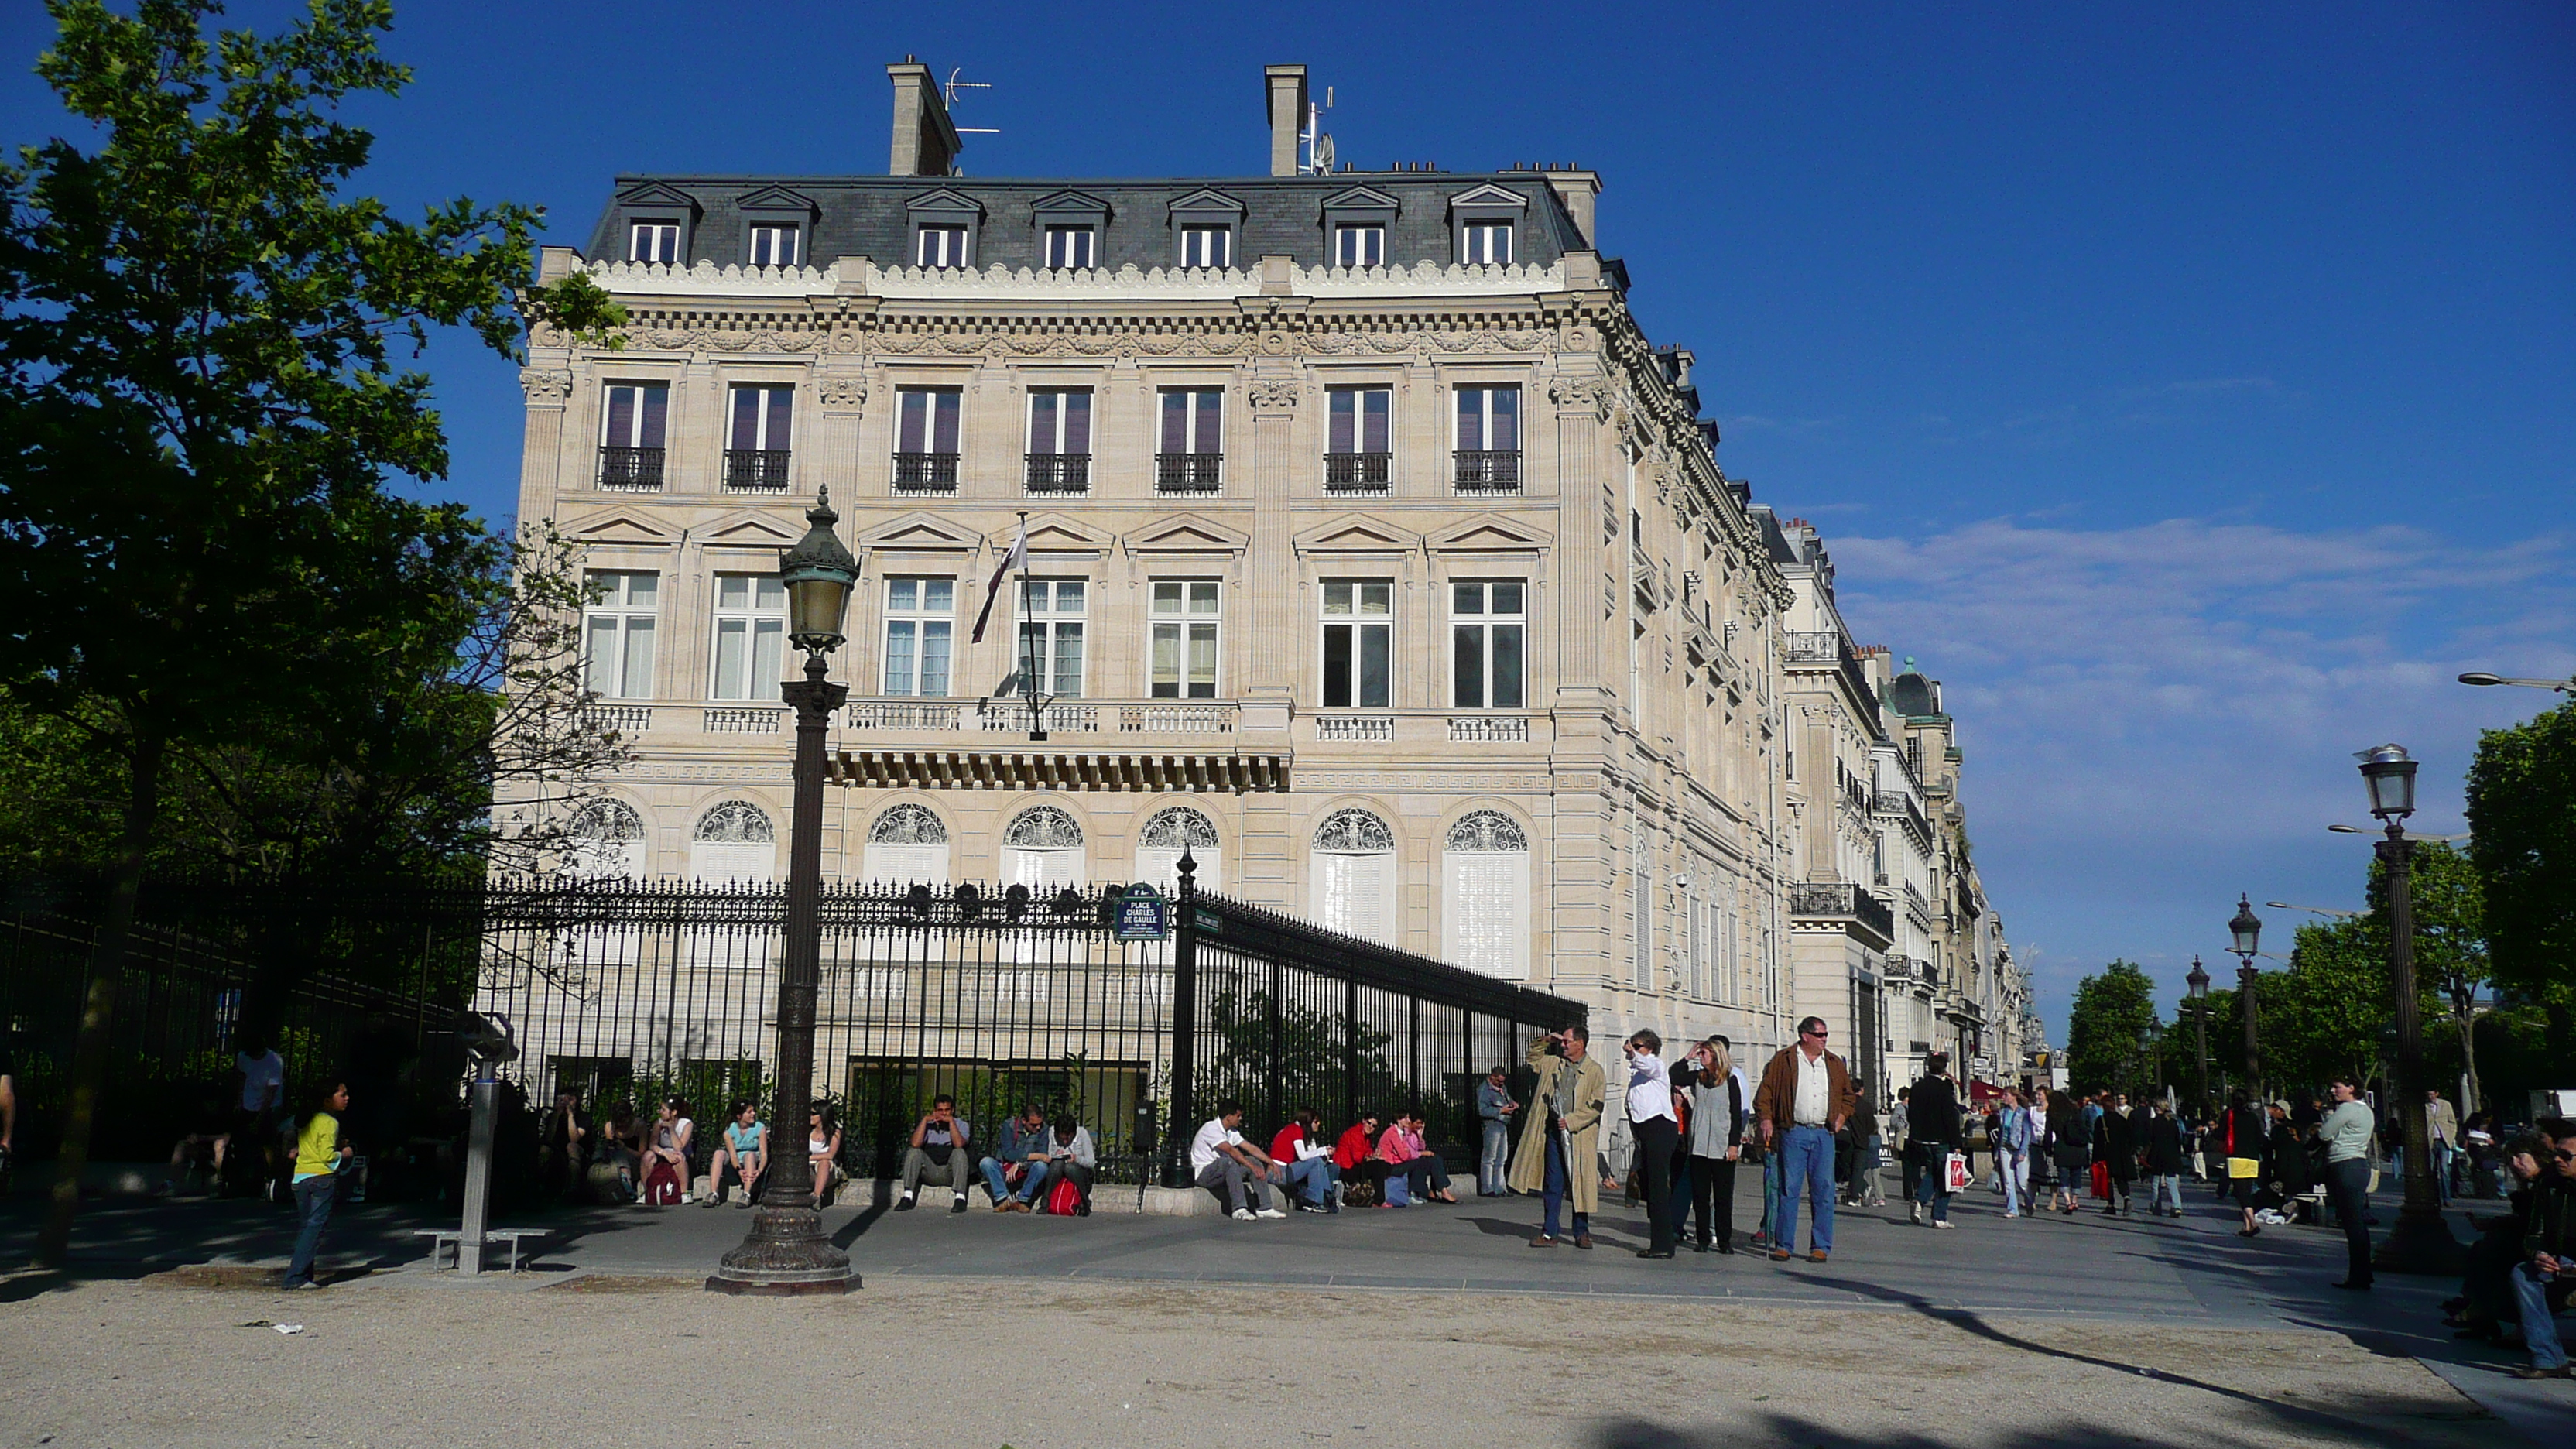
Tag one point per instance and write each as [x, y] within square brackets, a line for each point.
[199, 404]
[2522, 815]
[2110, 1009]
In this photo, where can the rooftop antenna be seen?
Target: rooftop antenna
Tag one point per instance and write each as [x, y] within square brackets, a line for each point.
[948, 94]
[1319, 147]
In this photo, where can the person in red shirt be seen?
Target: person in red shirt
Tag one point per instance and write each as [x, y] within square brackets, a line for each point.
[1310, 1170]
[1355, 1154]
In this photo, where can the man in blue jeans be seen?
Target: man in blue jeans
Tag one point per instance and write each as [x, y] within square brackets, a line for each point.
[2548, 1253]
[1805, 1098]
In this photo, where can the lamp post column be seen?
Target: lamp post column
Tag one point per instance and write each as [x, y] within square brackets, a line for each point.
[2245, 976]
[785, 1251]
[2421, 1242]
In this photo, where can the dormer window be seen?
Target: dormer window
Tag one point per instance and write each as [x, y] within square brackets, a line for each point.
[773, 244]
[1359, 244]
[1069, 246]
[939, 246]
[1486, 243]
[1207, 246]
[654, 240]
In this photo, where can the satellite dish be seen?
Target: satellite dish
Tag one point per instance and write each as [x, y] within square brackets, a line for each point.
[1323, 155]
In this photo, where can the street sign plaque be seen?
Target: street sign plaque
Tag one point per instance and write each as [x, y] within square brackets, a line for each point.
[1143, 915]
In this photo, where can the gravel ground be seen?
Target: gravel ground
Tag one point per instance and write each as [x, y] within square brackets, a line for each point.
[403, 1359]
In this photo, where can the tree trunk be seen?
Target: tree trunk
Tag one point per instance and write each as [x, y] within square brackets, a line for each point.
[2472, 1090]
[98, 1011]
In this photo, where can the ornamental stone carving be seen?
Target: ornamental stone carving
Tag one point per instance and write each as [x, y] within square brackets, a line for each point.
[1573, 392]
[1275, 394]
[545, 388]
[842, 391]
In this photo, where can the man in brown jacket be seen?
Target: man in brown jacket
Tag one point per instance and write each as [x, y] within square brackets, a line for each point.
[1805, 1097]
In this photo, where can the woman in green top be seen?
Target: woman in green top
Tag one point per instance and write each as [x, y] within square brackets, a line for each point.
[320, 1150]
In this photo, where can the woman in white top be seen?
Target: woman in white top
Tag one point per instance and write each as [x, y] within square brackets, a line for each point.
[1658, 1131]
[668, 1146]
[822, 1147]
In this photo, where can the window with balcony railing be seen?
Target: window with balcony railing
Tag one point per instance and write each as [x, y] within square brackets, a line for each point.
[1059, 472]
[1488, 456]
[635, 469]
[1485, 471]
[631, 419]
[1059, 455]
[1188, 472]
[756, 470]
[1358, 472]
[925, 458]
[1193, 440]
[925, 472]
[1357, 456]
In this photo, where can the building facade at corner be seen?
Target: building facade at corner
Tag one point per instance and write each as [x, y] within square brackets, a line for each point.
[1374, 555]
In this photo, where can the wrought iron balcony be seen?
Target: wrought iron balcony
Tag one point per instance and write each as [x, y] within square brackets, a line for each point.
[1059, 472]
[1492, 471]
[1188, 472]
[925, 472]
[755, 470]
[1845, 901]
[1358, 472]
[631, 470]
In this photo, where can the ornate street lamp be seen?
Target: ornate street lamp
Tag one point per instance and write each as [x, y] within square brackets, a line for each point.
[2198, 980]
[785, 1251]
[2421, 1242]
[2246, 931]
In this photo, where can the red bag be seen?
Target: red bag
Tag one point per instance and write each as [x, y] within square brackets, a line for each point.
[661, 1184]
[2102, 1181]
[1063, 1199]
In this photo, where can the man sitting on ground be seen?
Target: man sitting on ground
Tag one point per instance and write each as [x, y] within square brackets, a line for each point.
[1219, 1157]
[1020, 1157]
[938, 1149]
[744, 1148]
[1070, 1157]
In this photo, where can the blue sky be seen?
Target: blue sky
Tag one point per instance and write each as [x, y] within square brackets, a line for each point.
[2192, 389]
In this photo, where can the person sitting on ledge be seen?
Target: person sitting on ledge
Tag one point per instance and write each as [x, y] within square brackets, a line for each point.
[1220, 1158]
[1355, 1159]
[1300, 1149]
[822, 1147]
[938, 1149]
[1019, 1157]
[745, 1149]
[1402, 1150]
[1067, 1155]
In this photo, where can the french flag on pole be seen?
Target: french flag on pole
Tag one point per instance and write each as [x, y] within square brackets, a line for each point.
[1018, 557]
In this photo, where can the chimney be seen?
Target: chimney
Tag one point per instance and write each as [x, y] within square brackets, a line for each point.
[1287, 85]
[1577, 189]
[925, 142]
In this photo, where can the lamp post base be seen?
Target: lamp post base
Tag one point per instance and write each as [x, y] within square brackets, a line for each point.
[2421, 1243]
[785, 1254]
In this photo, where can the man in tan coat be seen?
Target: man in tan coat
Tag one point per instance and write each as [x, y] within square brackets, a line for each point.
[1805, 1097]
[1562, 1133]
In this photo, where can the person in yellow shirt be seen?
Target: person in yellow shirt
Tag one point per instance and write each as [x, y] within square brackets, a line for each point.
[321, 1150]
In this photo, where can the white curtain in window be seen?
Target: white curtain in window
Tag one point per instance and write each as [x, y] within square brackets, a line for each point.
[734, 842]
[1485, 904]
[1354, 893]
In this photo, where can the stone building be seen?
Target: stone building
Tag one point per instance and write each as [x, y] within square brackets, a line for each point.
[1374, 554]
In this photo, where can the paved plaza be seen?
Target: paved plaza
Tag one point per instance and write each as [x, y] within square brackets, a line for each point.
[1150, 1330]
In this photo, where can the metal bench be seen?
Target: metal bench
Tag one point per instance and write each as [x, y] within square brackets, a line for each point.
[446, 1240]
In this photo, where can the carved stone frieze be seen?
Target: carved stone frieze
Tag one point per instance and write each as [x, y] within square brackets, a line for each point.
[1275, 393]
[545, 387]
[843, 391]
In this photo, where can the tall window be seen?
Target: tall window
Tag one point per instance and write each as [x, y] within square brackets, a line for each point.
[1487, 243]
[1193, 440]
[751, 633]
[1359, 643]
[939, 246]
[907, 845]
[1485, 896]
[1356, 457]
[617, 633]
[773, 244]
[606, 838]
[1351, 876]
[1184, 626]
[1359, 244]
[652, 241]
[1068, 246]
[1166, 835]
[920, 621]
[756, 438]
[631, 419]
[1051, 616]
[1042, 849]
[733, 842]
[1207, 246]
[1487, 627]
[1059, 457]
[1488, 457]
[925, 444]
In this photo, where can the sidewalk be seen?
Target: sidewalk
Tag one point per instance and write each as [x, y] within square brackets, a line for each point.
[2149, 1273]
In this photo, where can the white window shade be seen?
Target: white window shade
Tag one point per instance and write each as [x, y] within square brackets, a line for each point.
[1354, 892]
[721, 862]
[905, 865]
[1485, 912]
[1160, 865]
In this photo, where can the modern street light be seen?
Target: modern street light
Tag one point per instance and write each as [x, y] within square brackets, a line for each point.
[2357, 830]
[2326, 911]
[785, 1252]
[2198, 980]
[2421, 1243]
[2481, 677]
[2246, 933]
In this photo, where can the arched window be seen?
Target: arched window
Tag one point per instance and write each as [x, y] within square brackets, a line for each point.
[1159, 846]
[907, 845]
[1042, 849]
[734, 842]
[1351, 876]
[1485, 896]
[606, 838]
